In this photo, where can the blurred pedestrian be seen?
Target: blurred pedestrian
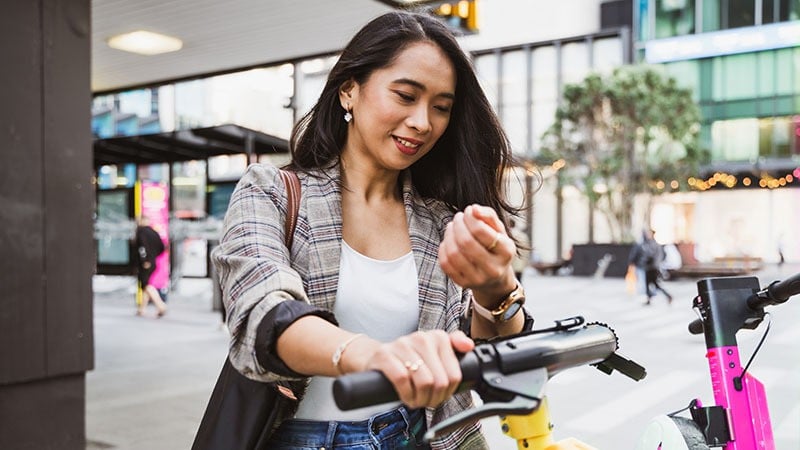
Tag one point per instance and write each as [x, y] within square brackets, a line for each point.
[647, 256]
[148, 246]
[402, 140]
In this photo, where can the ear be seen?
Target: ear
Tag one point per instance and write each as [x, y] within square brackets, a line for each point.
[346, 91]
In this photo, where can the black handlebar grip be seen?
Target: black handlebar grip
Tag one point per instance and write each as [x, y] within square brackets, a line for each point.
[360, 389]
[780, 291]
[696, 327]
[555, 350]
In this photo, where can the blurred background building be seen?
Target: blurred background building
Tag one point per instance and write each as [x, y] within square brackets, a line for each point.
[740, 58]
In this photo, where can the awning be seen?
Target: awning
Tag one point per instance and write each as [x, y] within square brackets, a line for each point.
[186, 145]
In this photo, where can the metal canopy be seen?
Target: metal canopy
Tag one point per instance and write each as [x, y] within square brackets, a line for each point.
[186, 145]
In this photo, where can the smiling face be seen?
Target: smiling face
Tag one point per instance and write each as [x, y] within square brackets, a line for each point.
[401, 110]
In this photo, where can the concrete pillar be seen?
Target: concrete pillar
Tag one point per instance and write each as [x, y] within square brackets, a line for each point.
[46, 244]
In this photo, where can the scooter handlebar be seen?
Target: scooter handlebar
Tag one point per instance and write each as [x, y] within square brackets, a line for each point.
[554, 350]
[777, 292]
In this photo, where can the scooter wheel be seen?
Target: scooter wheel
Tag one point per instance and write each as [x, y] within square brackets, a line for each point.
[672, 433]
[691, 433]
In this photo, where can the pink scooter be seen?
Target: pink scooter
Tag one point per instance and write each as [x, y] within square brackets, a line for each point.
[740, 418]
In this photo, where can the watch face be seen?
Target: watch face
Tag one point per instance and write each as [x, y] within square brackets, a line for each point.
[511, 311]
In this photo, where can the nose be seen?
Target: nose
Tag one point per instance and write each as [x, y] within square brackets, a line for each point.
[419, 119]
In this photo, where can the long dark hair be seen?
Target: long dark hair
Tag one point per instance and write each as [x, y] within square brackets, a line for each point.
[467, 163]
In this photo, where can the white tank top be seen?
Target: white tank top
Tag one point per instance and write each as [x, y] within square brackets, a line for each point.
[375, 297]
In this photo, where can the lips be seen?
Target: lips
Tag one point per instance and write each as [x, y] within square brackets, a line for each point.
[407, 146]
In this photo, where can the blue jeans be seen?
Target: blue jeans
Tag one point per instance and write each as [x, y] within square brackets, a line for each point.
[396, 429]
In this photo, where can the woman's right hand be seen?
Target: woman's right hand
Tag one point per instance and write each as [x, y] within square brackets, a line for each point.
[422, 366]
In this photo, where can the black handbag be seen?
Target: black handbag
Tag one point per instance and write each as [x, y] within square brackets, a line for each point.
[242, 413]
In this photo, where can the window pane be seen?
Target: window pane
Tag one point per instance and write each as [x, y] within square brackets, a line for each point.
[718, 74]
[515, 77]
[254, 99]
[766, 74]
[486, 67]
[781, 138]
[514, 101]
[787, 71]
[226, 167]
[543, 116]
[711, 15]
[607, 54]
[735, 140]
[189, 189]
[739, 76]
[545, 91]
[687, 75]
[515, 124]
[574, 62]
[767, 11]
[114, 227]
[674, 18]
[153, 172]
[311, 80]
[795, 136]
[544, 74]
[741, 13]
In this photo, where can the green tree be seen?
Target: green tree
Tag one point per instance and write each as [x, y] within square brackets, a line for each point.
[631, 132]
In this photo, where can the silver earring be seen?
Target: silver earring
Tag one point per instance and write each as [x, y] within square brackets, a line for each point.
[348, 116]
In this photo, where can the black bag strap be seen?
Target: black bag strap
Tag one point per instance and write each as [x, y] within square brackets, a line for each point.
[292, 184]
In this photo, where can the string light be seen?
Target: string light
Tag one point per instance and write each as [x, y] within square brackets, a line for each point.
[727, 180]
[765, 181]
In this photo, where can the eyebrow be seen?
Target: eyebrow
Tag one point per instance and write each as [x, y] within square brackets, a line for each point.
[421, 86]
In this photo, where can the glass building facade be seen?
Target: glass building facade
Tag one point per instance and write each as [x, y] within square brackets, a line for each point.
[267, 99]
[524, 82]
[741, 58]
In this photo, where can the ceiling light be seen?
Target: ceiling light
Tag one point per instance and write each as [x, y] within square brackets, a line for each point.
[145, 43]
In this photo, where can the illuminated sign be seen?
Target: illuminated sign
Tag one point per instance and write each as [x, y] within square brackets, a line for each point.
[726, 42]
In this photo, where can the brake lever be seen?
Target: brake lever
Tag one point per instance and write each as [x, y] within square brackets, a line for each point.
[517, 406]
[504, 395]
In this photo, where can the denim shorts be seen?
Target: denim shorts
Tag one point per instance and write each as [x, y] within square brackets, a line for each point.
[399, 428]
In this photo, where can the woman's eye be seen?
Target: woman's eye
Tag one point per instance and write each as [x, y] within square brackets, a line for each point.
[405, 97]
[443, 108]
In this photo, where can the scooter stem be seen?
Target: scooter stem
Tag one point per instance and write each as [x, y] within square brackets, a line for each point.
[534, 431]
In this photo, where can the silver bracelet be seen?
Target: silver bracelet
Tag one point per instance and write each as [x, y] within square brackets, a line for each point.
[337, 355]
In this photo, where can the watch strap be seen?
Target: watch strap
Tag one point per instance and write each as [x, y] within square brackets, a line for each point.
[515, 296]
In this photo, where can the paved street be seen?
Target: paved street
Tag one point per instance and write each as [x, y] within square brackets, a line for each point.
[152, 377]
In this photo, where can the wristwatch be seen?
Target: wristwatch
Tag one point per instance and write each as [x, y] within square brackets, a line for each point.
[508, 307]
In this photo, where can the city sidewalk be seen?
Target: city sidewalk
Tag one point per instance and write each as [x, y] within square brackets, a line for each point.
[153, 377]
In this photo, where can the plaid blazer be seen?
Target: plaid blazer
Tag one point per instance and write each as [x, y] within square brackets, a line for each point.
[257, 271]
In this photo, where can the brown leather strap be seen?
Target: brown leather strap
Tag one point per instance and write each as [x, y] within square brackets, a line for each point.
[292, 184]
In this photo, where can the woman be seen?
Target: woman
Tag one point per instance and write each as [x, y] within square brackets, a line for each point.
[148, 247]
[401, 225]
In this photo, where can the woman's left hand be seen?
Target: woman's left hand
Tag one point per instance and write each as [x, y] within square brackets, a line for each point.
[476, 252]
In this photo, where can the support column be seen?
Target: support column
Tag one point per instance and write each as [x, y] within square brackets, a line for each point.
[46, 243]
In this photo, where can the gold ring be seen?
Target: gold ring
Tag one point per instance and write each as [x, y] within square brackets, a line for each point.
[413, 367]
[494, 242]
